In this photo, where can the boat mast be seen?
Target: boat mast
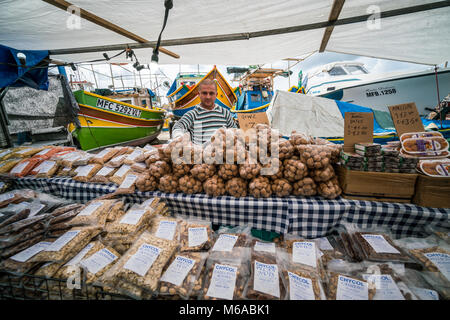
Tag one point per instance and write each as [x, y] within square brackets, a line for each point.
[112, 77]
[95, 79]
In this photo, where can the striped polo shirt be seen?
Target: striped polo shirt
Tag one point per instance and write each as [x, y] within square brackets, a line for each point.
[201, 123]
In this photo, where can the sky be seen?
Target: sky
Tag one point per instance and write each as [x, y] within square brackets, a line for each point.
[167, 73]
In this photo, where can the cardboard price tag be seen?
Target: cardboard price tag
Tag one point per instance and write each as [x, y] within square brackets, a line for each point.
[250, 120]
[358, 128]
[406, 118]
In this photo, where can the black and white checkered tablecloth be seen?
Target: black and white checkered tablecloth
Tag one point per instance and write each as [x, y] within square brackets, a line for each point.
[310, 217]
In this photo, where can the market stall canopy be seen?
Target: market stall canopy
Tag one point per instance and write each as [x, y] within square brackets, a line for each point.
[14, 73]
[410, 30]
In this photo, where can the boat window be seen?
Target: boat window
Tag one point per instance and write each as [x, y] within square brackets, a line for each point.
[355, 70]
[337, 71]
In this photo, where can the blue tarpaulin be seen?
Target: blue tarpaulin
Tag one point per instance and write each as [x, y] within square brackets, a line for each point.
[14, 75]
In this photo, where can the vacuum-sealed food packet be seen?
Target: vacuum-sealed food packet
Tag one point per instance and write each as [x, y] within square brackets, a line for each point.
[68, 159]
[139, 167]
[182, 274]
[344, 283]
[116, 211]
[120, 174]
[388, 282]
[24, 167]
[300, 283]
[136, 156]
[229, 238]
[303, 252]
[7, 165]
[104, 156]
[376, 244]
[99, 262]
[226, 275]
[95, 213]
[166, 227]
[368, 149]
[28, 152]
[46, 169]
[129, 183]
[142, 265]
[70, 242]
[196, 235]
[85, 173]
[103, 175]
[20, 262]
[265, 279]
[116, 161]
[435, 260]
[4, 153]
[132, 221]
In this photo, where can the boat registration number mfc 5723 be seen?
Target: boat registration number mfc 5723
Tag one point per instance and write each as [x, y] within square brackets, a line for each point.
[112, 106]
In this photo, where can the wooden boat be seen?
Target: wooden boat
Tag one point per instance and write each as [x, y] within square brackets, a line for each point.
[107, 122]
[183, 94]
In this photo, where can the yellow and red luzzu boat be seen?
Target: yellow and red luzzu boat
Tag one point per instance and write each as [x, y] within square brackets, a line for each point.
[108, 122]
[183, 94]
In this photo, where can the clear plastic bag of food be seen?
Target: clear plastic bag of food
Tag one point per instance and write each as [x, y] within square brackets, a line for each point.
[300, 283]
[68, 159]
[85, 173]
[265, 278]
[229, 238]
[120, 174]
[141, 266]
[4, 153]
[303, 252]
[116, 161]
[27, 152]
[298, 138]
[182, 274]
[226, 275]
[128, 184]
[136, 156]
[98, 263]
[20, 262]
[72, 241]
[46, 169]
[166, 227]
[116, 211]
[139, 167]
[376, 244]
[7, 165]
[24, 167]
[421, 288]
[103, 175]
[389, 283]
[133, 220]
[104, 156]
[345, 283]
[196, 235]
[94, 213]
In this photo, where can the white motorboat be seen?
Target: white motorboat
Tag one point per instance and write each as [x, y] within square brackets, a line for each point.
[351, 82]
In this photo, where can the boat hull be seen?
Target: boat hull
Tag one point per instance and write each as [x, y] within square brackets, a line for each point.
[379, 95]
[107, 122]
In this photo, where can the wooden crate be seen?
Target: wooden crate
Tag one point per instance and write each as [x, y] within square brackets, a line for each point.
[432, 192]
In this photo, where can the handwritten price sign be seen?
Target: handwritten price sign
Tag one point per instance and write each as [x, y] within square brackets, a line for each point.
[250, 120]
[406, 118]
[358, 128]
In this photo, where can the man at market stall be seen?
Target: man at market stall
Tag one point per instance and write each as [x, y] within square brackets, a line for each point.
[201, 122]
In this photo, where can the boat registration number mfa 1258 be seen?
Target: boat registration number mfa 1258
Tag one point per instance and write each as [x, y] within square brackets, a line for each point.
[108, 105]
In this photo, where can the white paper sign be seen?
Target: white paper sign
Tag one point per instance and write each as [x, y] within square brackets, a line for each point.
[441, 261]
[23, 151]
[264, 246]
[63, 240]
[4, 153]
[166, 229]
[197, 236]
[300, 288]
[266, 279]
[223, 281]
[43, 152]
[90, 209]
[304, 253]
[178, 270]
[351, 289]
[225, 242]
[386, 288]
[128, 181]
[123, 169]
[75, 260]
[102, 153]
[98, 260]
[132, 216]
[26, 254]
[379, 243]
[136, 153]
[143, 259]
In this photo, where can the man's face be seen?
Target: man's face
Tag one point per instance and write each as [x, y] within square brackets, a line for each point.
[208, 94]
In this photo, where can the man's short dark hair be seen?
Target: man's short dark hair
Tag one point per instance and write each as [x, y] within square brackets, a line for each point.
[208, 82]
